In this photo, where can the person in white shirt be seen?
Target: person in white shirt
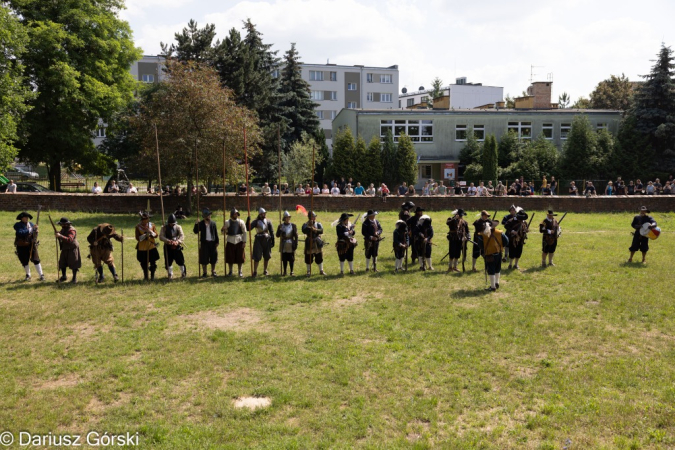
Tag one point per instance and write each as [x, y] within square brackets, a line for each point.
[300, 190]
[316, 190]
[335, 191]
[96, 189]
[266, 190]
[132, 189]
[11, 187]
[472, 191]
[371, 190]
[325, 189]
[349, 190]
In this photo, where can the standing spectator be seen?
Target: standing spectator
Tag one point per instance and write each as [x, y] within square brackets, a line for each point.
[300, 190]
[658, 186]
[609, 190]
[371, 190]
[501, 189]
[113, 188]
[335, 191]
[425, 189]
[490, 189]
[668, 188]
[513, 189]
[359, 189]
[590, 190]
[631, 188]
[442, 190]
[573, 189]
[349, 190]
[402, 189]
[325, 189]
[342, 185]
[11, 187]
[651, 190]
[639, 187]
[554, 185]
[132, 189]
[266, 191]
[472, 191]
[96, 189]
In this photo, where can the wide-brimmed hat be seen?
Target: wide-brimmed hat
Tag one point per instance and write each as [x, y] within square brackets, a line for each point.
[24, 214]
[144, 214]
[206, 212]
[550, 213]
[401, 222]
[172, 219]
[372, 213]
[460, 212]
[63, 221]
[521, 215]
[512, 207]
[419, 209]
[408, 205]
[484, 213]
[344, 216]
[642, 208]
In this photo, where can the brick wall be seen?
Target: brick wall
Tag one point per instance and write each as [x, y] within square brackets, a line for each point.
[125, 203]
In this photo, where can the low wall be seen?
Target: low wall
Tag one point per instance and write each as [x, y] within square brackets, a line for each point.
[130, 203]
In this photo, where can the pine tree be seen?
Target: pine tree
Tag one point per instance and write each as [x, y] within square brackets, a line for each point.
[192, 44]
[490, 159]
[321, 149]
[389, 176]
[359, 171]
[633, 154]
[343, 153]
[581, 157]
[508, 146]
[654, 109]
[373, 165]
[296, 102]
[406, 161]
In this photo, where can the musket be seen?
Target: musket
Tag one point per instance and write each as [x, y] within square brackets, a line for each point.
[562, 218]
[58, 278]
[122, 231]
[494, 215]
[530, 222]
[161, 198]
[35, 236]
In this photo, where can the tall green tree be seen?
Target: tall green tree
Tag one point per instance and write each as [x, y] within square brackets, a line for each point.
[321, 175]
[613, 93]
[13, 90]
[436, 91]
[373, 163]
[78, 60]
[406, 161]
[581, 103]
[654, 109]
[358, 170]
[389, 160]
[471, 156]
[192, 44]
[633, 155]
[563, 100]
[343, 153]
[296, 164]
[490, 159]
[582, 157]
[533, 159]
[509, 145]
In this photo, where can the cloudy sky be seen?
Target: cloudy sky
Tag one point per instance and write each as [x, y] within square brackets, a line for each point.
[494, 42]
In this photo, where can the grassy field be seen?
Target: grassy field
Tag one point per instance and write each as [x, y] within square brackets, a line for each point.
[577, 356]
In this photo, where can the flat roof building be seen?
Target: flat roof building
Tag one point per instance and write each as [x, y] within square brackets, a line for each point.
[461, 95]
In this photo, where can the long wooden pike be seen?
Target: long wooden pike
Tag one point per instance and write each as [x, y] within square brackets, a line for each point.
[281, 263]
[122, 230]
[311, 208]
[199, 236]
[35, 236]
[58, 277]
[161, 197]
[248, 202]
[224, 206]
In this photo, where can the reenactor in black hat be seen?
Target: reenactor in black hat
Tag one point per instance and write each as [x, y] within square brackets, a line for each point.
[404, 213]
[641, 241]
[550, 231]
[26, 244]
[263, 242]
[401, 243]
[146, 248]
[478, 226]
[209, 241]
[313, 243]
[423, 234]
[101, 249]
[70, 250]
[287, 233]
[508, 222]
[517, 233]
[457, 235]
[372, 235]
[412, 226]
[173, 237]
[346, 242]
[235, 232]
[494, 242]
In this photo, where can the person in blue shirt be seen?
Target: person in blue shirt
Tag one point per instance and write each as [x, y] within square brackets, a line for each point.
[26, 244]
[359, 189]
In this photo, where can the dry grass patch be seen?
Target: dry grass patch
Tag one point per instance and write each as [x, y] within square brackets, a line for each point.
[252, 402]
[242, 319]
[66, 381]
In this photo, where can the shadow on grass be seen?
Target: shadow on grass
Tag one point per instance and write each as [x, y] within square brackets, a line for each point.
[534, 269]
[634, 265]
[466, 293]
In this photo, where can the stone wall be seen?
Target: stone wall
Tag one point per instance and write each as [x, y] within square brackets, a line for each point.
[129, 203]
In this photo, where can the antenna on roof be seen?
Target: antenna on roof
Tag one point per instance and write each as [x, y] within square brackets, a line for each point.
[532, 74]
[327, 61]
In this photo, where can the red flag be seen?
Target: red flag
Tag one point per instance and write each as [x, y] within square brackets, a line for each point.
[301, 209]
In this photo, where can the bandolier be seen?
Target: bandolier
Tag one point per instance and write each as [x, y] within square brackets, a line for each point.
[401, 243]
[346, 242]
[372, 235]
[458, 233]
[173, 237]
[550, 231]
[101, 250]
[313, 243]
[146, 248]
[517, 234]
[26, 244]
[70, 250]
[423, 235]
[287, 233]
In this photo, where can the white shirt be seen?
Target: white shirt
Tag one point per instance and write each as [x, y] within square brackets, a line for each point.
[335, 191]
[317, 190]
[472, 190]
[11, 188]
[133, 190]
[96, 190]
[208, 231]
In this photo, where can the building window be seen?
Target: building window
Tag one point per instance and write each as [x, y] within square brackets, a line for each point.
[425, 171]
[351, 86]
[410, 102]
[564, 130]
[460, 133]
[333, 114]
[275, 73]
[385, 78]
[522, 129]
[100, 131]
[317, 95]
[369, 96]
[333, 76]
[369, 77]
[547, 130]
[332, 95]
[315, 75]
[417, 130]
[385, 98]
[479, 132]
[148, 78]
[601, 126]
[351, 105]
[425, 99]
[319, 114]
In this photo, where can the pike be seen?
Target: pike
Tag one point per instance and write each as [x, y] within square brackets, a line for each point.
[281, 262]
[161, 197]
[122, 231]
[199, 235]
[311, 208]
[35, 235]
[224, 203]
[248, 202]
[58, 278]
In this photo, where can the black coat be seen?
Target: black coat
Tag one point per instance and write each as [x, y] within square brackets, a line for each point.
[201, 228]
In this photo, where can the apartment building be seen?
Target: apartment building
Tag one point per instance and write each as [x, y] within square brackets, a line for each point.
[335, 87]
[461, 95]
[440, 135]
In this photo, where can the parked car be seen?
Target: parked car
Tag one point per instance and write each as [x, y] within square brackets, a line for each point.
[26, 187]
[19, 172]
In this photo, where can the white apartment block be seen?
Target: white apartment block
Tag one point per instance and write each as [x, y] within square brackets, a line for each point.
[461, 95]
[335, 87]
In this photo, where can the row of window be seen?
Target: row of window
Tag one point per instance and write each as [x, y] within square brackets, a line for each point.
[418, 130]
[319, 75]
[384, 97]
[325, 114]
[332, 95]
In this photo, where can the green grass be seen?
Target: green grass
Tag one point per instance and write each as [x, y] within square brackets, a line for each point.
[584, 351]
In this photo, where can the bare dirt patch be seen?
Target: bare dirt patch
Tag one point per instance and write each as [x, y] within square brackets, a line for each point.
[252, 402]
[66, 381]
[242, 319]
[96, 407]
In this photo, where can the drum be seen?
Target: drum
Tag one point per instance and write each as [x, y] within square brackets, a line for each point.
[645, 230]
[654, 233]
